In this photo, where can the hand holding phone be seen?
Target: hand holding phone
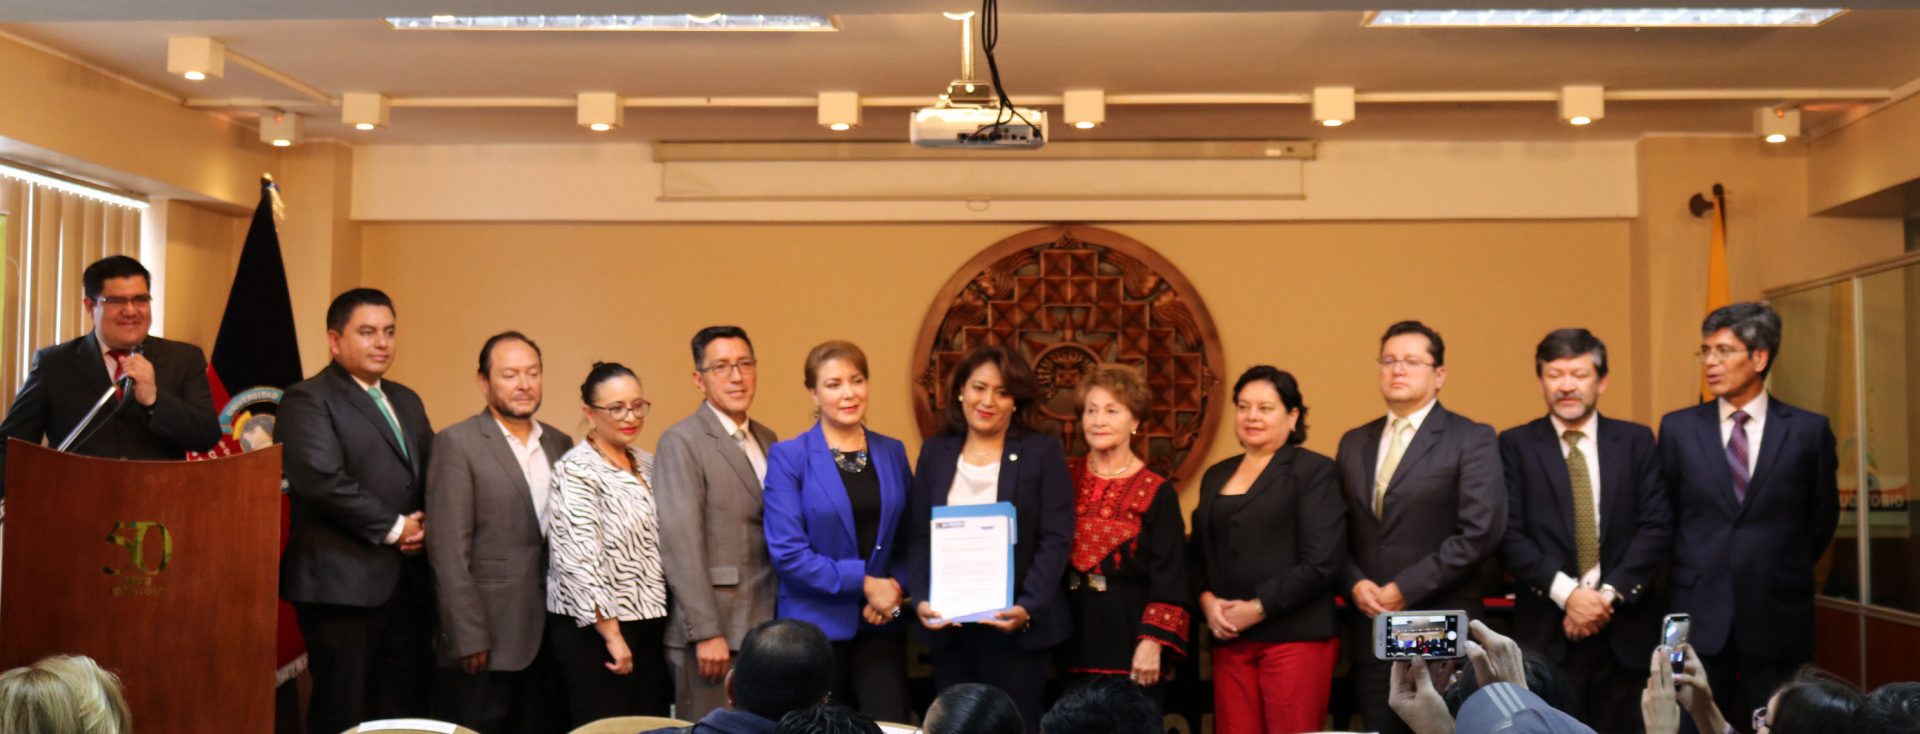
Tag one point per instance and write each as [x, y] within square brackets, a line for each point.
[1673, 638]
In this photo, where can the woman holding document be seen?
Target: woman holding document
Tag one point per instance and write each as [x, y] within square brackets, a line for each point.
[834, 497]
[985, 456]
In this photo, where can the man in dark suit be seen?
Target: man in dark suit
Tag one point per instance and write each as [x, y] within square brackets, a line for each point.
[356, 450]
[1425, 505]
[487, 490]
[1755, 502]
[1588, 527]
[709, 475]
[165, 412]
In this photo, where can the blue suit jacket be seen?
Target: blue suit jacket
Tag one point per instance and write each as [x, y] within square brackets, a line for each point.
[1745, 570]
[810, 533]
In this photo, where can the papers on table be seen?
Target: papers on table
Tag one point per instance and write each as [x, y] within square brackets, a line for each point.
[971, 570]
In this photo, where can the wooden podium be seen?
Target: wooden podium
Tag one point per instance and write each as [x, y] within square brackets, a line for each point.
[166, 572]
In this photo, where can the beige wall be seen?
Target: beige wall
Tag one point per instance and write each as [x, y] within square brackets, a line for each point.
[202, 251]
[318, 242]
[1296, 295]
[1873, 155]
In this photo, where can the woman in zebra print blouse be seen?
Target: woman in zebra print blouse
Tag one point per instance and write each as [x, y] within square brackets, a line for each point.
[606, 596]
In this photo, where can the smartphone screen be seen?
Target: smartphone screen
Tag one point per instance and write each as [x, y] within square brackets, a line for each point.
[1431, 635]
[1673, 636]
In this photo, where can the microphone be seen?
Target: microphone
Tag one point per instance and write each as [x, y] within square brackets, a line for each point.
[117, 388]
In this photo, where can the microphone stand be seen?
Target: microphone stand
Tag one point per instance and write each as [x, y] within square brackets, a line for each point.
[74, 435]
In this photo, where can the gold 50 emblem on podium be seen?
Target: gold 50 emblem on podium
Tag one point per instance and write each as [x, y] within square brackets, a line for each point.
[145, 561]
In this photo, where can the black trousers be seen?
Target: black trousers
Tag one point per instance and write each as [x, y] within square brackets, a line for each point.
[870, 674]
[1742, 683]
[980, 654]
[1608, 693]
[525, 701]
[592, 691]
[366, 662]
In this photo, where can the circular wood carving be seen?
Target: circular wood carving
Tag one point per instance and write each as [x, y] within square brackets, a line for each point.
[1065, 299]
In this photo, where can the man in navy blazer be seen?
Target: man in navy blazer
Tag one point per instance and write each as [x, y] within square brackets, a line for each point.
[1755, 503]
[1588, 530]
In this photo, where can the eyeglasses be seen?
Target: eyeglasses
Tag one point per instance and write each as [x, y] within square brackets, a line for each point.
[743, 367]
[1717, 354]
[140, 301]
[1760, 718]
[616, 411]
[1389, 364]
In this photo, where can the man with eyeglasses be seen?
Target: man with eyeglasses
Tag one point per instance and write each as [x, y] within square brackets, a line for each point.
[1426, 503]
[164, 412]
[709, 472]
[489, 549]
[1755, 503]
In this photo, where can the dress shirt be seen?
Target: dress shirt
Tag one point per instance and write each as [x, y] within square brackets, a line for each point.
[975, 485]
[1386, 436]
[1756, 425]
[534, 465]
[756, 454]
[1563, 585]
[400, 525]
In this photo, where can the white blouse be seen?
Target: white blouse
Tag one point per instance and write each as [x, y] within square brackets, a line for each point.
[975, 485]
[603, 539]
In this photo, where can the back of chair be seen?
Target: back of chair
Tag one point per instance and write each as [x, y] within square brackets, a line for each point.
[408, 726]
[888, 727]
[630, 725]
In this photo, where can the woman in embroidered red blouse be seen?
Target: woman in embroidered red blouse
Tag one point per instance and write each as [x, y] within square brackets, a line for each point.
[1127, 577]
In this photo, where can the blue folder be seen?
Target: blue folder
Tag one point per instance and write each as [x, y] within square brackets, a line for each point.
[999, 509]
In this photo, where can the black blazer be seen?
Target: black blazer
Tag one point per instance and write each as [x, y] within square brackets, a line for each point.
[1445, 511]
[1756, 557]
[1033, 476]
[1636, 525]
[349, 483]
[67, 378]
[1292, 534]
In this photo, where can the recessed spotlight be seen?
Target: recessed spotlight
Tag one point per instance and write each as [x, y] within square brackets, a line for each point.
[1332, 123]
[195, 76]
[1581, 104]
[1776, 124]
[838, 111]
[601, 111]
[1333, 106]
[1085, 125]
[196, 58]
[364, 126]
[281, 129]
[364, 110]
[1580, 121]
[1085, 108]
[600, 127]
[1776, 138]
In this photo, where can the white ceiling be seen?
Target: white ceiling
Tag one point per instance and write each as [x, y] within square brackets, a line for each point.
[1041, 53]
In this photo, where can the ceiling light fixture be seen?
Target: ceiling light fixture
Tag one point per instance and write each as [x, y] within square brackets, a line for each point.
[601, 111]
[839, 111]
[282, 129]
[682, 22]
[1777, 124]
[1333, 106]
[364, 110]
[1085, 108]
[1581, 104]
[1604, 18]
[195, 58]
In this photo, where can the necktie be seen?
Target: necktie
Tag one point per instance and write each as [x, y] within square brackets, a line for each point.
[119, 369]
[1395, 449]
[753, 457]
[380, 399]
[1586, 527]
[1737, 455]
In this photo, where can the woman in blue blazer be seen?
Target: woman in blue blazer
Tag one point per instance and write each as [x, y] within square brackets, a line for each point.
[833, 502]
[986, 455]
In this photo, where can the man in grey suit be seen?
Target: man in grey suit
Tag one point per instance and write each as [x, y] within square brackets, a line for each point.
[708, 476]
[487, 494]
[1426, 503]
[356, 451]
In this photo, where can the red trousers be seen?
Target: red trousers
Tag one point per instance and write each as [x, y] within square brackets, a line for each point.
[1272, 687]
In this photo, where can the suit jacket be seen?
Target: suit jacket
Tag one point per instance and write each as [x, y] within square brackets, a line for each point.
[488, 555]
[349, 483]
[1291, 536]
[1636, 525]
[1033, 476]
[1445, 510]
[67, 378]
[810, 531]
[712, 547]
[1758, 556]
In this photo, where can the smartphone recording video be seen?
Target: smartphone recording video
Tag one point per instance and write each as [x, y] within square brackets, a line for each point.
[1673, 637]
[1427, 635]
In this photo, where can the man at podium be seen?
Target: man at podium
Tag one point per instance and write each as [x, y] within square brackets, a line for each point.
[164, 408]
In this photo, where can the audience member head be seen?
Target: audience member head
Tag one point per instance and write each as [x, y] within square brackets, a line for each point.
[1572, 367]
[973, 708]
[989, 390]
[510, 375]
[723, 369]
[826, 718]
[1814, 702]
[615, 405]
[1543, 678]
[1268, 410]
[1113, 400]
[784, 666]
[1413, 366]
[1103, 705]
[837, 380]
[116, 291]
[1738, 343]
[64, 694]
[360, 332]
[1892, 709]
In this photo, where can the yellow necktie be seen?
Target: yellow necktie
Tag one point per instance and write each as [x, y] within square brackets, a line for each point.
[1586, 527]
[1395, 449]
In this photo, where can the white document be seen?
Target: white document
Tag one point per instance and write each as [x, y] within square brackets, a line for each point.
[971, 567]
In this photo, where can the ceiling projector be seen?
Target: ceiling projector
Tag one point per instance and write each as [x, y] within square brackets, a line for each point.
[979, 127]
